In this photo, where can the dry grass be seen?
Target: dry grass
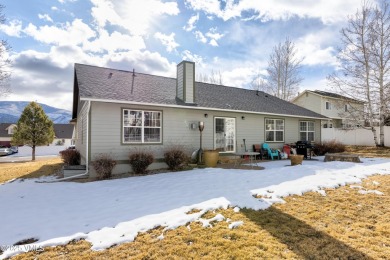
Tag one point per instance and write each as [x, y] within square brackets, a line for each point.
[342, 225]
[30, 169]
[369, 151]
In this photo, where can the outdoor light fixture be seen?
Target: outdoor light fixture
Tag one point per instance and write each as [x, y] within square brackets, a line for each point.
[201, 127]
[243, 117]
[206, 115]
[200, 152]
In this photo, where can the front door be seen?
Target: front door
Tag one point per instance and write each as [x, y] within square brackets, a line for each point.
[225, 134]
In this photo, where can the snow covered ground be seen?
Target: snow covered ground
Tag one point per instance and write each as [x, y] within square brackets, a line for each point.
[114, 211]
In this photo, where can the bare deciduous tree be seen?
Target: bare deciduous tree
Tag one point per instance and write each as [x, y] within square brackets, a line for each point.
[259, 83]
[284, 70]
[213, 78]
[4, 61]
[364, 60]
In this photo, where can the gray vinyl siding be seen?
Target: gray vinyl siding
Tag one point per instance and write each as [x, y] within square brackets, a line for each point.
[189, 85]
[81, 132]
[106, 130]
[180, 81]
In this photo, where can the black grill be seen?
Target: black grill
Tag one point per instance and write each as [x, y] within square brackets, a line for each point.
[304, 148]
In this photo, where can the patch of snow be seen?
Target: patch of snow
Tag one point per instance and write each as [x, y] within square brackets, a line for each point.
[111, 212]
[236, 224]
[322, 192]
[375, 183]
[370, 192]
[236, 209]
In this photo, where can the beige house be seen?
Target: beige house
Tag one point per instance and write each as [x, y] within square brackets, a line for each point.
[343, 112]
[116, 112]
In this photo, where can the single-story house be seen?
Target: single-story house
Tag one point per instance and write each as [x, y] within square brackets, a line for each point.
[63, 134]
[341, 111]
[117, 111]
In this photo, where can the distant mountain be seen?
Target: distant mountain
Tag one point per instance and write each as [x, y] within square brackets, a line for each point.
[10, 112]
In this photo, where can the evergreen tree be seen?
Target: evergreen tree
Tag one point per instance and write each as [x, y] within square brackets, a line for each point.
[34, 128]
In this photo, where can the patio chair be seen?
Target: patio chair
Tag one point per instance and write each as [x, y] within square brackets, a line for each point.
[257, 148]
[271, 153]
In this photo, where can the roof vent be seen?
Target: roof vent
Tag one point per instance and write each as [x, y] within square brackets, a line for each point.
[185, 83]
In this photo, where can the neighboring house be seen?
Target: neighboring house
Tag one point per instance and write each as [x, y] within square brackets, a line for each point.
[118, 111]
[343, 112]
[63, 134]
[6, 132]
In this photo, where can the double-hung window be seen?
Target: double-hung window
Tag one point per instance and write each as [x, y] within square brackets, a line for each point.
[274, 130]
[306, 130]
[141, 126]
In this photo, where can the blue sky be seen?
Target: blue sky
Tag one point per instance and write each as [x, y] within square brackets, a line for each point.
[234, 37]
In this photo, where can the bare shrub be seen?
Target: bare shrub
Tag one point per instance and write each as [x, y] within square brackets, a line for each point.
[329, 147]
[70, 157]
[175, 157]
[140, 160]
[103, 165]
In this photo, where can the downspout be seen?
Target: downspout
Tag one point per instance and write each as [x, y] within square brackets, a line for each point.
[86, 153]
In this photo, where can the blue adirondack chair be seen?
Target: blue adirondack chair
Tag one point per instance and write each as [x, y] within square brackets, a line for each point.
[271, 153]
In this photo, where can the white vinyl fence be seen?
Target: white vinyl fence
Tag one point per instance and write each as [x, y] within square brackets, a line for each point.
[354, 137]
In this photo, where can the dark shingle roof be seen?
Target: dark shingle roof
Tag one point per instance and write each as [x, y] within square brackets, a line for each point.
[118, 85]
[63, 131]
[334, 95]
[3, 131]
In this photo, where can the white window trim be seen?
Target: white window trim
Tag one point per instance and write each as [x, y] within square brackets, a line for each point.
[274, 122]
[326, 105]
[142, 126]
[307, 129]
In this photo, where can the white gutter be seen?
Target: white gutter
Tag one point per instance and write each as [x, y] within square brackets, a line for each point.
[86, 153]
[197, 108]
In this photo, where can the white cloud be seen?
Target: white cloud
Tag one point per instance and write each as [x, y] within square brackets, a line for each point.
[211, 37]
[200, 37]
[329, 11]
[238, 77]
[14, 28]
[113, 42]
[167, 40]
[73, 33]
[316, 48]
[187, 55]
[213, 42]
[131, 15]
[214, 36]
[212, 33]
[191, 23]
[45, 17]
[54, 8]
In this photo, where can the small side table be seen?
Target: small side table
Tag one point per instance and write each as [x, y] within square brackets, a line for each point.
[250, 154]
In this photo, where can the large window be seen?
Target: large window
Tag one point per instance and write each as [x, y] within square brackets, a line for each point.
[306, 131]
[141, 126]
[274, 130]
